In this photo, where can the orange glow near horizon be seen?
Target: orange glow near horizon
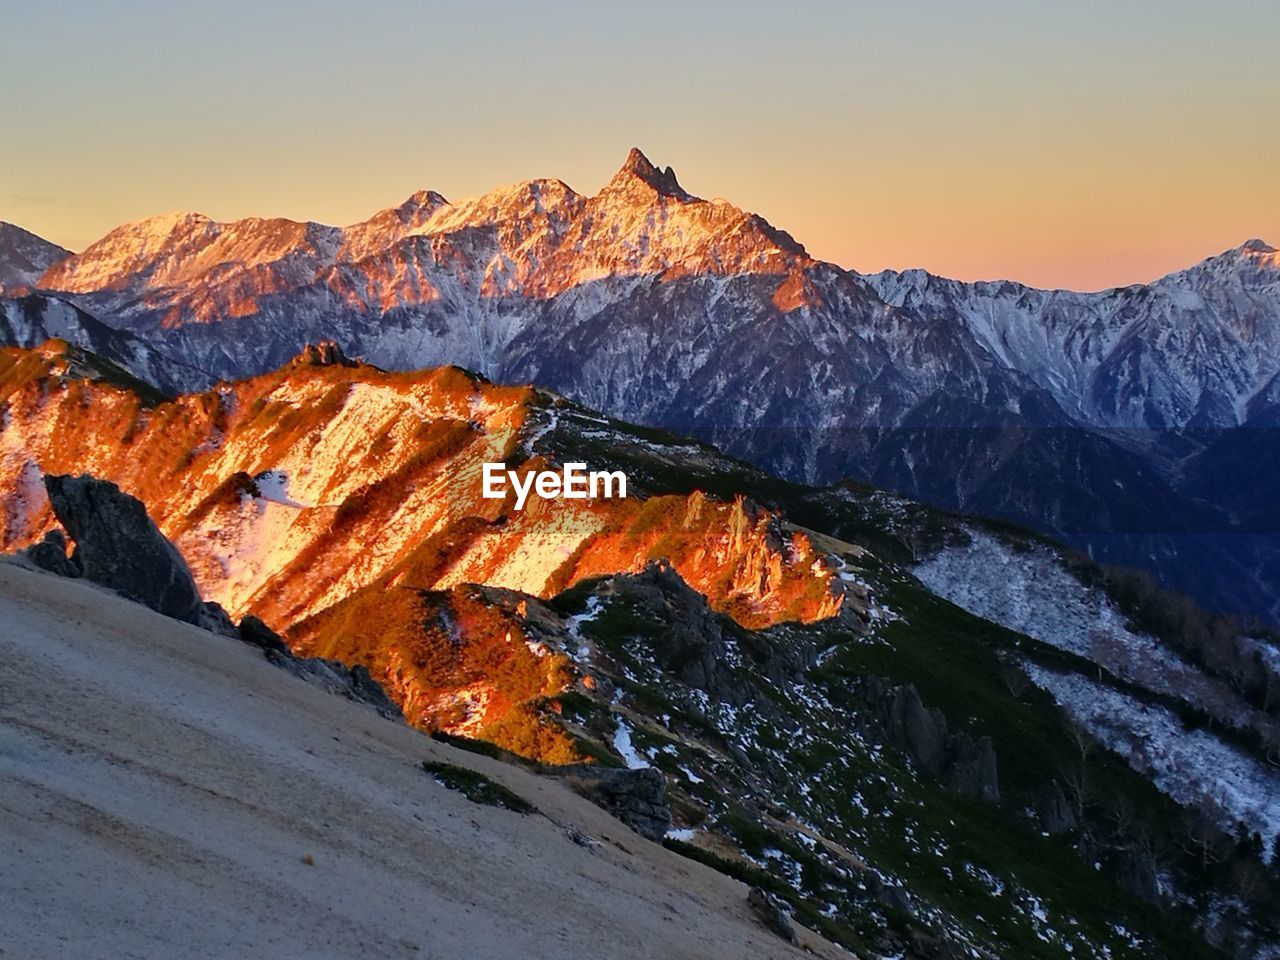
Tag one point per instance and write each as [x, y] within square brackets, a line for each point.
[1080, 147]
[1088, 238]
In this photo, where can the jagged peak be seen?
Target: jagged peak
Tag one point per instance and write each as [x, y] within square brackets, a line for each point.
[146, 235]
[325, 353]
[1258, 255]
[13, 230]
[416, 208]
[546, 191]
[389, 225]
[24, 256]
[162, 224]
[1252, 249]
[638, 167]
[1256, 245]
[541, 196]
[1250, 255]
[424, 199]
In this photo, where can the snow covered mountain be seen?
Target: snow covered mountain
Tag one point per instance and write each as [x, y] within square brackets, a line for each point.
[527, 242]
[1094, 417]
[1196, 349]
[24, 258]
[324, 457]
[1183, 375]
[30, 320]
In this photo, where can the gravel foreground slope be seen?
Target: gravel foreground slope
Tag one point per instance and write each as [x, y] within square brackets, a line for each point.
[167, 793]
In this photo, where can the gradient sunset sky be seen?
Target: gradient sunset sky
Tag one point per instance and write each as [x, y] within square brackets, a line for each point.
[1078, 144]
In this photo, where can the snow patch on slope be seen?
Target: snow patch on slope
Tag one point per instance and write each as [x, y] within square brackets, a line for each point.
[274, 486]
[626, 749]
[1193, 767]
[1030, 590]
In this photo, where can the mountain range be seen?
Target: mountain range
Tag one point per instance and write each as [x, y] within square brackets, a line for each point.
[928, 736]
[1134, 424]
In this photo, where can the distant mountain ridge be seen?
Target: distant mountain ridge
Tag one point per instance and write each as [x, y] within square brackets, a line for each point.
[533, 239]
[24, 258]
[1094, 417]
[30, 320]
[1205, 340]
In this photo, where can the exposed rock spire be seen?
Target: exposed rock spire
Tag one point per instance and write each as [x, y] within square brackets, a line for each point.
[638, 167]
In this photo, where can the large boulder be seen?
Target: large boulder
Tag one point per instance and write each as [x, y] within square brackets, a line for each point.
[355, 683]
[1055, 810]
[51, 554]
[636, 797]
[919, 731]
[257, 634]
[773, 913]
[971, 767]
[118, 546]
[693, 645]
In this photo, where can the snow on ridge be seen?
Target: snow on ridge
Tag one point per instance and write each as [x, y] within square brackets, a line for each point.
[1193, 767]
[1032, 592]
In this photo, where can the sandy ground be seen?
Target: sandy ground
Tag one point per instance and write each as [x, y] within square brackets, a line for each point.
[161, 789]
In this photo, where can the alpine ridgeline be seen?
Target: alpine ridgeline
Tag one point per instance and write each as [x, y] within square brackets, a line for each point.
[1138, 423]
[925, 736]
[24, 258]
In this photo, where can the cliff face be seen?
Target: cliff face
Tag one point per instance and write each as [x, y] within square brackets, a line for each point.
[293, 490]
[463, 661]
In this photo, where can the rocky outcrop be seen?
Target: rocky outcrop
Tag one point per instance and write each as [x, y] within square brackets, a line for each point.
[971, 767]
[773, 913]
[216, 619]
[895, 897]
[326, 353]
[51, 554]
[257, 634]
[921, 732]
[354, 683]
[694, 644]
[118, 546]
[965, 764]
[636, 797]
[1056, 813]
[1137, 872]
